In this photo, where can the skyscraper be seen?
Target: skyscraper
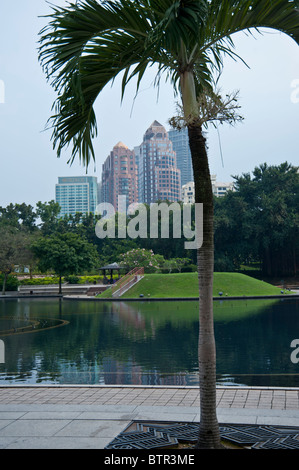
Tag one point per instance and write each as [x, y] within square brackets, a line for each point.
[180, 142]
[76, 194]
[159, 177]
[119, 176]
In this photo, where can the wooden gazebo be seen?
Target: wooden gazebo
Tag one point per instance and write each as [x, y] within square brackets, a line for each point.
[110, 268]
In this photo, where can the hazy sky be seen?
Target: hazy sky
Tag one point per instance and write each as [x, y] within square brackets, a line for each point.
[269, 96]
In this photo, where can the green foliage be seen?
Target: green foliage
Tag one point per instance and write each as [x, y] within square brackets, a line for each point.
[14, 249]
[65, 254]
[92, 279]
[140, 257]
[224, 264]
[71, 279]
[18, 216]
[40, 281]
[48, 213]
[259, 221]
[175, 264]
[11, 284]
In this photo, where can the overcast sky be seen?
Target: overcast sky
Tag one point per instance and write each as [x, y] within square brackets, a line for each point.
[269, 97]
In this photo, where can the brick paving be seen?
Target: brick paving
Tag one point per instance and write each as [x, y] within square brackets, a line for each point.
[247, 398]
[90, 417]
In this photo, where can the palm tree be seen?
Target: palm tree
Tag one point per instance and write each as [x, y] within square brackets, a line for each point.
[86, 45]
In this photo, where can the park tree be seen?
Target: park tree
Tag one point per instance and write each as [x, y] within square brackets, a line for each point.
[258, 222]
[14, 250]
[65, 254]
[170, 265]
[48, 213]
[140, 257]
[234, 236]
[19, 216]
[9, 216]
[27, 216]
[175, 264]
[86, 44]
[271, 194]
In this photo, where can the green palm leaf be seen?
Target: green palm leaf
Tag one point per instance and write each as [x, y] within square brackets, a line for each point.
[86, 46]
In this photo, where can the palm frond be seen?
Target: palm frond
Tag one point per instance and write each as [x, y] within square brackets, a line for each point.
[82, 49]
[229, 17]
[87, 45]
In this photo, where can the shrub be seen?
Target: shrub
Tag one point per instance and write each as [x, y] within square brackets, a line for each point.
[190, 268]
[90, 279]
[224, 264]
[40, 281]
[12, 283]
[71, 279]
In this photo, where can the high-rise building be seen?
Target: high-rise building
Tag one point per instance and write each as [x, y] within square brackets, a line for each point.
[158, 175]
[180, 143]
[219, 190]
[188, 193]
[119, 176]
[76, 194]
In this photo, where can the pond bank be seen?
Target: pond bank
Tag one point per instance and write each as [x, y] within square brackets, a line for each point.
[168, 299]
[182, 286]
[16, 295]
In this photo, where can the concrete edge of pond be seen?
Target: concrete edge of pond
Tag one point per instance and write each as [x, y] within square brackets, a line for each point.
[11, 295]
[168, 299]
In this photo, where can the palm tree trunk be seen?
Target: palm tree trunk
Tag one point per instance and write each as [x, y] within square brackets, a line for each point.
[209, 436]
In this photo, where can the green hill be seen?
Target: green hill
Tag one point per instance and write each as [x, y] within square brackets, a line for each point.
[186, 285]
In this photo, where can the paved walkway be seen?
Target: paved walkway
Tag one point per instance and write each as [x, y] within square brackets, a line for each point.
[89, 417]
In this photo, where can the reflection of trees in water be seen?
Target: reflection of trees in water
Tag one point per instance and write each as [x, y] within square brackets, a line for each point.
[146, 341]
[260, 345]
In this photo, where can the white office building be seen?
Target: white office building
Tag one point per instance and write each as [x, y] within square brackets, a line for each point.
[77, 194]
[219, 190]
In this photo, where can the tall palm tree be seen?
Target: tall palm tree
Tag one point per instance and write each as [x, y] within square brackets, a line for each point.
[88, 43]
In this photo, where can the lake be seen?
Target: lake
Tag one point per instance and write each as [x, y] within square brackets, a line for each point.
[51, 341]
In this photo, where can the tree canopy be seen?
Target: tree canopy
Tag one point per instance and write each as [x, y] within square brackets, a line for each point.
[255, 223]
[65, 254]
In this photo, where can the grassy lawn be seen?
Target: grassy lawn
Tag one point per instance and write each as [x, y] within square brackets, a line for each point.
[186, 285]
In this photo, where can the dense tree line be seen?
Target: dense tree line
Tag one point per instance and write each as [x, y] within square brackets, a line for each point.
[259, 221]
[256, 223]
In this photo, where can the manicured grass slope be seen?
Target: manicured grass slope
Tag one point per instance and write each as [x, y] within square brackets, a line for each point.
[186, 285]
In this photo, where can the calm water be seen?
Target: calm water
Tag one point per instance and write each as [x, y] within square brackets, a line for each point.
[70, 342]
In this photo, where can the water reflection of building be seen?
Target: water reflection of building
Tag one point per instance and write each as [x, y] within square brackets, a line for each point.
[128, 373]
